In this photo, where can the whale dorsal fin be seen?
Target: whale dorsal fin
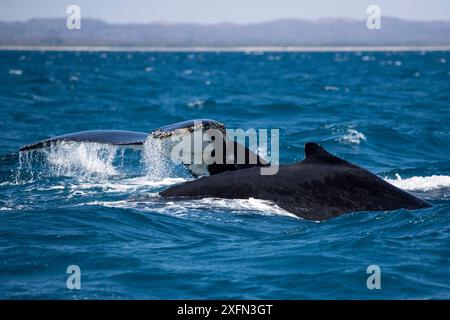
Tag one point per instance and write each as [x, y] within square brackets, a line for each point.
[316, 153]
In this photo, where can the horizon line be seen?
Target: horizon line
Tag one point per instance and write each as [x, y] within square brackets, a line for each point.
[242, 49]
[164, 22]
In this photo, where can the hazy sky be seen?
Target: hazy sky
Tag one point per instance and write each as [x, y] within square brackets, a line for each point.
[211, 11]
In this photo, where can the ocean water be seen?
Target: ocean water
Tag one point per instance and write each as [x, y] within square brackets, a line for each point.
[97, 206]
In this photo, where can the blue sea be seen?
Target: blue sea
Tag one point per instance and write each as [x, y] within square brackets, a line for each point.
[97, 207]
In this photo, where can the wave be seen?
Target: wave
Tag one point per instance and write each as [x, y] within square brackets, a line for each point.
[15, 72]
[182, 207]
[347, 134]
[125, 185]
[419, 183]
[352, 136]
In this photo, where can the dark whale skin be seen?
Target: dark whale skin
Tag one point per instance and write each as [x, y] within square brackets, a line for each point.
[318, 188]
[113, 137]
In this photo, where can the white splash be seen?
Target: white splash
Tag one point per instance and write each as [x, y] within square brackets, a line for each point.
[368, 58]
[95, 163]
[352, 136]
[74, 158]
[15, 72]
[197, 104]
[182, 208]
[421, 183]
[251, 204]
[131, 185]
[156, 159]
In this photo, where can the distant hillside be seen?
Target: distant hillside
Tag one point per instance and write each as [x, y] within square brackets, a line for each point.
[288, 32]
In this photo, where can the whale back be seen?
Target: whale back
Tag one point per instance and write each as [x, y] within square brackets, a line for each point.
[318, 188]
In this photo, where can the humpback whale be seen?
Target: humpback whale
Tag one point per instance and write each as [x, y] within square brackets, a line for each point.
[135, 139]
[124, 137]
[319, 187]
[113, 137]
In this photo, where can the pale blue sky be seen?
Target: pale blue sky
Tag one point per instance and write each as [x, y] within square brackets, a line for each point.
[212, 11]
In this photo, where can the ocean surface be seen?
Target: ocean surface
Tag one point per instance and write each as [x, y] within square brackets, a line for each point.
[97, 206]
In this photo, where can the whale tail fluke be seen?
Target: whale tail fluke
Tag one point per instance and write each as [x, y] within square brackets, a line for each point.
[134, 139]
[112, 137]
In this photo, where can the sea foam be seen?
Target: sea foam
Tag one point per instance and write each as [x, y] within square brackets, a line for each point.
[421, 183]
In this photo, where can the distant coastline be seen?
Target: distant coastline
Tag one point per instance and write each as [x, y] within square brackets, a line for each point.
[225, 49]
[280, 35]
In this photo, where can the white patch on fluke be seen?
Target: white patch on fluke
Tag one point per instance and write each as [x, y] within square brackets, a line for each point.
[421, 183]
